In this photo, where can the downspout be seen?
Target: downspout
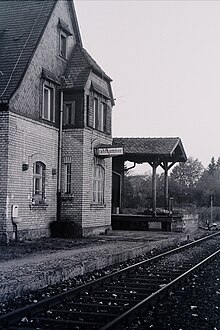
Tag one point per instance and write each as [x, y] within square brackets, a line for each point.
[59, 158]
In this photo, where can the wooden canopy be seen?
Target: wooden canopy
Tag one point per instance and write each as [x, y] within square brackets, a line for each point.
[140, 150]
[164, 152]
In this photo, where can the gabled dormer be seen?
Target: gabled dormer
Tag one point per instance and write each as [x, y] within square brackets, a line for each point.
[88, 97]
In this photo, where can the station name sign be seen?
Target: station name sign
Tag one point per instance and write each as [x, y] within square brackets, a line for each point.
[108, 152]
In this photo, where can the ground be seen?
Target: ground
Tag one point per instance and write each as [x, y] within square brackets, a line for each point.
[33, 265]
[17, 250]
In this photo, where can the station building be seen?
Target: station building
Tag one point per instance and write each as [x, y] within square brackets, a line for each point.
[56, 143]
[55, 110]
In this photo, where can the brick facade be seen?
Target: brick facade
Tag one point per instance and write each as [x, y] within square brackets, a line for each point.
[88, 218]
[4, 137]
[26, 138]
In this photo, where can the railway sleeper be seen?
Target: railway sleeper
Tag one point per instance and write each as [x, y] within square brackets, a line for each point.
[118, 294]
[143, 285]
[72, 314]
[133, 287]
[141, 281]
[46, 323]
[88, 307]
[116, 300]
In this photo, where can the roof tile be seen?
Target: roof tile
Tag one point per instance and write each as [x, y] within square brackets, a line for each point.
[21, 25]
[151, 147]
[79, 67]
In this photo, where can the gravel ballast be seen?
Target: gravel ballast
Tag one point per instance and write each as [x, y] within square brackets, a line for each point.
[25, 280]
[195, 306]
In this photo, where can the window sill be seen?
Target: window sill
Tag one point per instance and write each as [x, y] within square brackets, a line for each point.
[67, 197]
[48, 121]
[38, 206]
[97, 206]
[99, 130]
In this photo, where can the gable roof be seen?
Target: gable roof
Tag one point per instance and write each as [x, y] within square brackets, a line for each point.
[79, 68]
[21, 26]
[148, 149]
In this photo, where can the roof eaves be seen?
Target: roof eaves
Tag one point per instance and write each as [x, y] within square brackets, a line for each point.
[95, 67]
[46, 74]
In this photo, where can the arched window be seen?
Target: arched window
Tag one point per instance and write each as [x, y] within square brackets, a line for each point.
[98, 183]
[39, 183]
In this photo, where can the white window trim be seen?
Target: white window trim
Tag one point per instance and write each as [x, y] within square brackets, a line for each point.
[49, 88]
[39, 198]
[97, 189]
[66, 175]
[100, 114]
[62, 33]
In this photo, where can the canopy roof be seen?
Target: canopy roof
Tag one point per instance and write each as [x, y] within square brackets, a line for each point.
[140, 150]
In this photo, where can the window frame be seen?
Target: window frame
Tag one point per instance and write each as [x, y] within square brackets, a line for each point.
[71, 115]
[67, 178]
[51, 105]
[38, 185]
[99, 114]
[63, 35]
[98, 191]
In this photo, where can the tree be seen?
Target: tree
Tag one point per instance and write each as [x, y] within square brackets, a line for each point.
[212, 166]
[184, 178]
[138, 191]
[209, 185]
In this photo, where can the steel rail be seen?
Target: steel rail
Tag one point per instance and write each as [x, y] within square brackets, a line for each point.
[30, 310]
[142, 306]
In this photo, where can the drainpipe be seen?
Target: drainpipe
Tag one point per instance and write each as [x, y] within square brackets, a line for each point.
[59, 157]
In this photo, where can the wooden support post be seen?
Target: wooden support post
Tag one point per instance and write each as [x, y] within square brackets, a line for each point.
[166, 189]
[154, 165]
[122, 193]
[154, 189]
[166, 168]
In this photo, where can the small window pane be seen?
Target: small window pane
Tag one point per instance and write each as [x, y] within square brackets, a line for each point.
[67, 168]
[38, 183]
[100, 115]
[46, 103]
[69, 113]
[52, 105]
[98, 184]
[96, 114]
[63, 45]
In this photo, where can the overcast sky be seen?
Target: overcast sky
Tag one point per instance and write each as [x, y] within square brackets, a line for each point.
[164, 59]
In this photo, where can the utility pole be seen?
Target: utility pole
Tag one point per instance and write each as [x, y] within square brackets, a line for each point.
[211, 209]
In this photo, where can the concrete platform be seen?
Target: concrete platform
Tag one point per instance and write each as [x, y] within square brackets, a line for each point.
[21, 276]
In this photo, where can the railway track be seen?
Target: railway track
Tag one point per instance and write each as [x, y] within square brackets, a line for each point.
[113, 301]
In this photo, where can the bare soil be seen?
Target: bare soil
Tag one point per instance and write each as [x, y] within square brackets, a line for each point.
[18, 250]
